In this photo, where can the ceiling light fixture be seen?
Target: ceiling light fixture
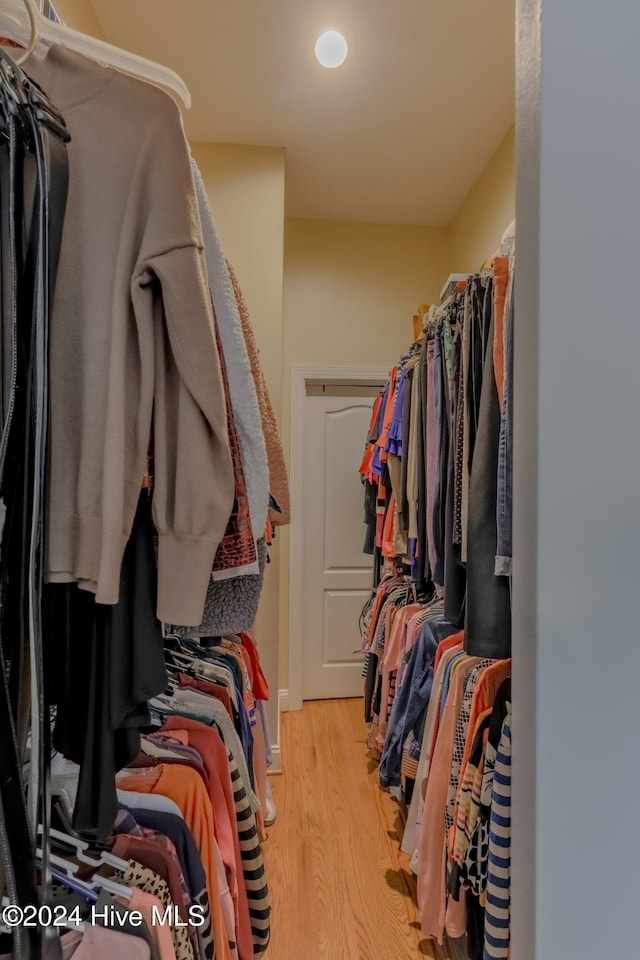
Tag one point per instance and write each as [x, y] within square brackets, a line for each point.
[331, 49]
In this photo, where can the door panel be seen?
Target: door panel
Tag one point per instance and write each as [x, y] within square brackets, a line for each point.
[344, 497]
[342, 610]
[337, 576]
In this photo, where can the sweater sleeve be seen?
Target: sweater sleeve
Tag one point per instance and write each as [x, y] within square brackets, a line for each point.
[193, 472]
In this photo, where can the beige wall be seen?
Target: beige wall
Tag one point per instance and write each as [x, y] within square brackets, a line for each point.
[80, 15]
[246, 191]
[476, 229]
[352, 288]
[350, 291]
[245, 186]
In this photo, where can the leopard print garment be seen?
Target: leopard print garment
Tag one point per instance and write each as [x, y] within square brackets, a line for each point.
[144, 879]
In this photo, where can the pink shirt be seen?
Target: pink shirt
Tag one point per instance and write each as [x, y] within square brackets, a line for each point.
[160, 932]
[101, 943]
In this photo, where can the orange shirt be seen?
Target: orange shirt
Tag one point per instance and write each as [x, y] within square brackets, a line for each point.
[186, 788]
[260, 685]
[367, 459]
[447, 644]
[388, 412]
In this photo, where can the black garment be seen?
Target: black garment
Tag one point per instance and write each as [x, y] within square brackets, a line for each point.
[480, 336]
[370, 684]
[422, 560]
[377, 567]
[423, 441]
[440, 499]
[377, 695]
[406, 423]
[33, 193]
[370, 505]
[105, 662]
[488, 614]
[455, 576]
[475, 927]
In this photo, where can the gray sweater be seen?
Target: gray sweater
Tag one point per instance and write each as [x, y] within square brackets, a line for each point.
[132, 339]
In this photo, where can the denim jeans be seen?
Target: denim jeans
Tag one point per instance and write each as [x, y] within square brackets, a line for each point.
[412, 697]
[487, 630]
[504, 505]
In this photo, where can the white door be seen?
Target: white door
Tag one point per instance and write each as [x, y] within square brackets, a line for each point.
[337, 576]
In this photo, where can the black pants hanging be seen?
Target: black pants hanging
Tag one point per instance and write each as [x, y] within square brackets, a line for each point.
[33, 191]
[104, 663]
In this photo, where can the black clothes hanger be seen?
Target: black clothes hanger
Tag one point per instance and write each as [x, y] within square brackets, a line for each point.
[33, 189]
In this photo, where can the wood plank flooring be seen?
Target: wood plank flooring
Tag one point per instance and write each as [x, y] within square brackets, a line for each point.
[340, 888]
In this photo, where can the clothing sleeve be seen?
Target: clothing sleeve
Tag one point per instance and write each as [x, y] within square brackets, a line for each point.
[193, 471]
[412, 702]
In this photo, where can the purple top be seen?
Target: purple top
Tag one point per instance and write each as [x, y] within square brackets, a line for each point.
[394, 436]
[376, 465]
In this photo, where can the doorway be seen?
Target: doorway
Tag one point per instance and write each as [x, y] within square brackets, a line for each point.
[330, 577]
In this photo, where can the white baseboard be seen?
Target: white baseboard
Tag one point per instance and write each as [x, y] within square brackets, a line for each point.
[283, 705]
[276, 766]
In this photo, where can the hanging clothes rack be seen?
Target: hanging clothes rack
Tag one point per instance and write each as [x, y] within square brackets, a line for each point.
[19, 16]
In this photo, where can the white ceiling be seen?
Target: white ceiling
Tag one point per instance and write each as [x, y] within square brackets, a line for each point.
[397, 135]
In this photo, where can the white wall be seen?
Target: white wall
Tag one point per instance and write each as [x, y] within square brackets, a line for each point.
[577, 524]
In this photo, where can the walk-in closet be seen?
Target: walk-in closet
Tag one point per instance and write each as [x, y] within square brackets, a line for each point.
[318, 509]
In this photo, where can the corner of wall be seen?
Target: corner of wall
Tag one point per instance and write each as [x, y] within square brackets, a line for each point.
[475, 231]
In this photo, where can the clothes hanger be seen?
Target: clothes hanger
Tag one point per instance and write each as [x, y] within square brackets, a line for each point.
[13, 27]
[81, 847]
[112, 887]
[32, 13]
[72, 883]
[182, 660]
[64, 872]
[161, 704]
[65, 865]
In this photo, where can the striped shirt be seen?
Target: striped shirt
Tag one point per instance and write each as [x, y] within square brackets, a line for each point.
[252, 862]
[497, 913]
[468, 808]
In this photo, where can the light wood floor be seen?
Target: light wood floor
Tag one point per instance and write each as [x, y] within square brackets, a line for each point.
[340, 888]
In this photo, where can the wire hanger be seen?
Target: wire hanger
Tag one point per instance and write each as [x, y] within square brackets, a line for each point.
[13, 25]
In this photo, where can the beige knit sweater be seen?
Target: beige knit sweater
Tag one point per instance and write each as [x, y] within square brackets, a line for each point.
[131, 338]
[278, 479]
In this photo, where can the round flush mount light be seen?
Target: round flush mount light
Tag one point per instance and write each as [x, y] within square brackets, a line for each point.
[331, 49]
